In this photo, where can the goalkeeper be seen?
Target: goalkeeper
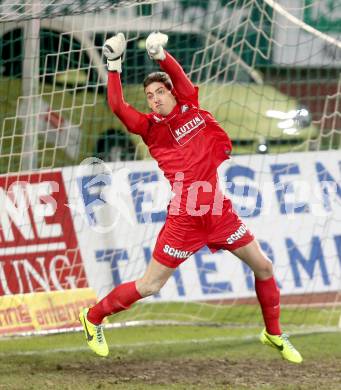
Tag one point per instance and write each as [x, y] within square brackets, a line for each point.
[189, 145]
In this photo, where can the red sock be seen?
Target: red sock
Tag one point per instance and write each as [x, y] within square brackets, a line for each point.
[268, 296]
[120, 298]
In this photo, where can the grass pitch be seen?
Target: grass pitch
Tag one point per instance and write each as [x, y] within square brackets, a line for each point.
[173, 357]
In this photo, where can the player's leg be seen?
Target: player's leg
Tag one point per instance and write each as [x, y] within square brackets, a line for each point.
[154, 278]
[121, 298]
[267, 291]
[124, 295]
[177, 240]
[268, 295]
[227, 231]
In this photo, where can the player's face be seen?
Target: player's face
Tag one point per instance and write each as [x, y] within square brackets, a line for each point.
[159, 98]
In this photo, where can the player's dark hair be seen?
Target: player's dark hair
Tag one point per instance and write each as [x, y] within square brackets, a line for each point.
[159, 77]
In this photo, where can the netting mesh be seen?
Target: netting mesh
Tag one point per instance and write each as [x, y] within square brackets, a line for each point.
[268, 82]
[15, 11]
[221, 43]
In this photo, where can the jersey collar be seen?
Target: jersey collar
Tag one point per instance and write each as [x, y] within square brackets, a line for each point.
[157, 118]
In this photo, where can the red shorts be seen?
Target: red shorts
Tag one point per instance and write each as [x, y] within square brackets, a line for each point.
[183, 235]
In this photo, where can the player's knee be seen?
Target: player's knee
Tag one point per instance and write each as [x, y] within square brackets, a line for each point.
[264, 269]
[149, 288]
[154, 288]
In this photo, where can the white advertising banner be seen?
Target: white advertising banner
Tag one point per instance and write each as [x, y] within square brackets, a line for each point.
[95, 226]
[291, 202]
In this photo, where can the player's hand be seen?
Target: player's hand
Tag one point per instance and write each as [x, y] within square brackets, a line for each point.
[155, 43]
[113, 50]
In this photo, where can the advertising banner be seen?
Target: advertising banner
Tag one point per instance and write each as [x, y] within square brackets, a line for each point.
[38, 244]
[44, 311]
[96, 225]
[291, 202]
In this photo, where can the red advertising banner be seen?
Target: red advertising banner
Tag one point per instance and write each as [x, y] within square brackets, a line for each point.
[38, 245]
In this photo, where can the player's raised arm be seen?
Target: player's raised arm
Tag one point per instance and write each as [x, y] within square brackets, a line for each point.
[155, 44]
[135, 121]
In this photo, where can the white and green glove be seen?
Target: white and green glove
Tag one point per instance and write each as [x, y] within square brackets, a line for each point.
[155, 43]
[113, 50]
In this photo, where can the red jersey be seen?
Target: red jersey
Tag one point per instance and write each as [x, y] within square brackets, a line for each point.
[187, 141]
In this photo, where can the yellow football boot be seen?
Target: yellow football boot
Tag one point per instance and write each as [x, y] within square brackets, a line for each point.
[94, 335]
[283, 346]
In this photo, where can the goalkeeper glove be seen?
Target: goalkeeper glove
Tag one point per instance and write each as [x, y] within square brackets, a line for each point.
[155, 43]
[113, 50]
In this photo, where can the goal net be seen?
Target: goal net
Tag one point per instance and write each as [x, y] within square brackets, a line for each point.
[82, 202]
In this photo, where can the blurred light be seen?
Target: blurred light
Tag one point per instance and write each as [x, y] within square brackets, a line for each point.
[302, 112]
[275, 114]
[291, 131]
[262, 146]
[299, 118]
[141, 44]
[286, 124]
[281, 114]
[302, 118]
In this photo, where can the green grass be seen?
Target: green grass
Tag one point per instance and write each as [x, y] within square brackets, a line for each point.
[180, 357]
[291, 317]
[63, 361]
